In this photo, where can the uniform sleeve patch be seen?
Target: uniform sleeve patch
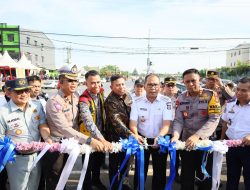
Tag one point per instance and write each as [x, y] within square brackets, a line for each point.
[58, 106]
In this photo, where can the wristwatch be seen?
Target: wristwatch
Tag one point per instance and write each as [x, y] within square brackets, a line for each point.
[88, 141]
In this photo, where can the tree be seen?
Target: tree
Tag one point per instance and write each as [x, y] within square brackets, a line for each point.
[109, 70]
[135, 72]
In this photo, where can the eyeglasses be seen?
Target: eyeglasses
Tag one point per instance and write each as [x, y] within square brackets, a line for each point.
[19, 92]
[211, 79]
[170, 85]
[190, 81]
[71, 80]
[151, 85]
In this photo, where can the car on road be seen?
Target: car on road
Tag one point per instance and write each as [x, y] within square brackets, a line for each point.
[181, 86]
[50, 84]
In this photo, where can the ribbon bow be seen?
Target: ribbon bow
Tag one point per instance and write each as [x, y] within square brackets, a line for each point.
[7, 152]
[205, 146]
[131, 146]
[165, 145]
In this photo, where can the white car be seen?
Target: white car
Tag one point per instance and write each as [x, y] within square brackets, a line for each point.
[49, 84]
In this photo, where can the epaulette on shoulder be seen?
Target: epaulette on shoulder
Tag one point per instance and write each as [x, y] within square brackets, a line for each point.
[138, 99]
[165, 98]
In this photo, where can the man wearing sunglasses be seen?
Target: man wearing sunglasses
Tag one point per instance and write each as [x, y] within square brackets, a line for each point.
[62, 116]
[171, 91]
[23, 121]
[213, 82]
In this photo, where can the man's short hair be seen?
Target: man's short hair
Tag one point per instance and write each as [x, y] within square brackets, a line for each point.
[33, 78]
[91, 73]
[244, 80]
[115, 77]
[150, 75]
[189, 71]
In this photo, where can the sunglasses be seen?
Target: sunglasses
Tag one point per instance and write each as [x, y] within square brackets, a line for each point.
[170, 85]
[71, 80]
[19, 92]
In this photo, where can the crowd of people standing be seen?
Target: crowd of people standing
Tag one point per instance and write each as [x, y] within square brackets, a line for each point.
[212, 111]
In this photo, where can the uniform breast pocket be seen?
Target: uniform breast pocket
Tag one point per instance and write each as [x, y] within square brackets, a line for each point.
[185, 111]
[143, 119]
[68, 115]
[202, 110]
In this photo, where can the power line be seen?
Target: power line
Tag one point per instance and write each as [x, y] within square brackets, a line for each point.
[138, 38]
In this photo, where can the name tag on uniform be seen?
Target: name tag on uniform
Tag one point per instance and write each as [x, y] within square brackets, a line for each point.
[143, 109]
[13, 120]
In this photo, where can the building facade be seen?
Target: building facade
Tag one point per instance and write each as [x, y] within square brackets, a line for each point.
[38, 48]
[239, 53]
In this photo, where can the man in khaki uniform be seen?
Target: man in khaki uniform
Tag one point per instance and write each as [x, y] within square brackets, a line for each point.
[213, 82]
[197, 116]
[62, 118]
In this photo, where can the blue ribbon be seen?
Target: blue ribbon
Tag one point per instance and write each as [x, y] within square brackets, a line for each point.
[204, 160]
[131, 146]
[165, 145]
[7, 152]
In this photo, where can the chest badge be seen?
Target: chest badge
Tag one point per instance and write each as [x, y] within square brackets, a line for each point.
[185, 114]
[232, 110]
[18, 132]
[143, 119]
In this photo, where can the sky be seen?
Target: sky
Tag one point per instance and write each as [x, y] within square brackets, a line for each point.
[174, 30]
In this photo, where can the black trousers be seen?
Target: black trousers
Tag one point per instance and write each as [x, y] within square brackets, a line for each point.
[53, 164]
[238, 158]
[96, 160]
[3, 179]
[115, 161]
[191, 166]
[159, 162]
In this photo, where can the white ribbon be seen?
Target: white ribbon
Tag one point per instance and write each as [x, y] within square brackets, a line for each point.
[71, 147]
[87, 150]
[40, 155]
[219, 148]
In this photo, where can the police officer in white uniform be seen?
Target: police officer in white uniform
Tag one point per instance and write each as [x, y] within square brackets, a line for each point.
[237, 120]
[23, 121]
[150, 117]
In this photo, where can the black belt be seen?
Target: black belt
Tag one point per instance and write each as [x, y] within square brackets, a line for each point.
[25, 154]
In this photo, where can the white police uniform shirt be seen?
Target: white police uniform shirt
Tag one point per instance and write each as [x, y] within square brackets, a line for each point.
[19, 125]
[150, 116]
[134, 97]
[238, 119]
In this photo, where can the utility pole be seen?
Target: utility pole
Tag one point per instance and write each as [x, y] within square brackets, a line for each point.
[149, 63]
[68, 60]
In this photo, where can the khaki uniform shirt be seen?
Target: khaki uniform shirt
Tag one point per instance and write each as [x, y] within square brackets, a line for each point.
[62, 117]
[197, 114]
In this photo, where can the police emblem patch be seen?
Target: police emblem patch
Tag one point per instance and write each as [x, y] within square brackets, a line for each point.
[21, 82]
[37, 117]
[74, 69]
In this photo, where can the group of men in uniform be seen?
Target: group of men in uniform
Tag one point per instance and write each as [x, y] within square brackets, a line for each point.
[95, 120]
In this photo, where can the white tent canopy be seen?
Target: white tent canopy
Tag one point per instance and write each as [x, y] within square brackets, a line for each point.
[24, 63]
[7, 61]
